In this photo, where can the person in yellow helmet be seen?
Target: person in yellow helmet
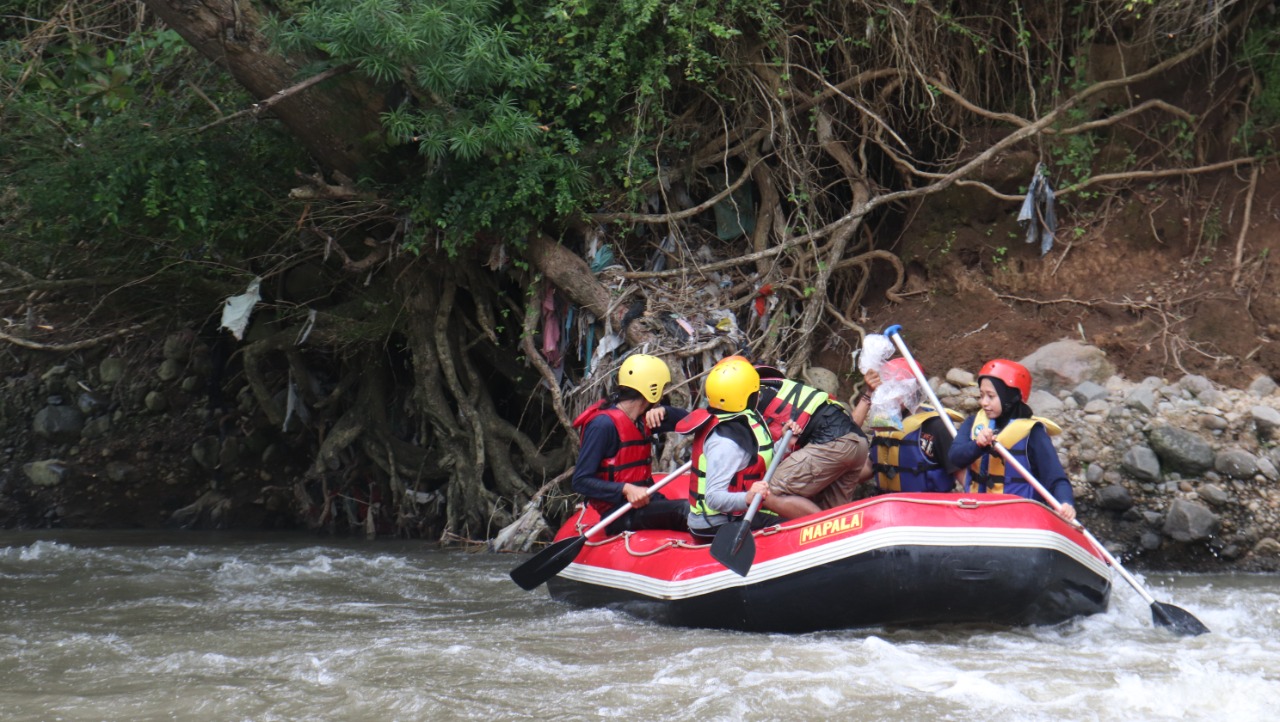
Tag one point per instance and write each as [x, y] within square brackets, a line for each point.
[732, 449]
[616, 449]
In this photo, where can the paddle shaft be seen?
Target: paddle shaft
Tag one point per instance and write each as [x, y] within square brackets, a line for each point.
[778, 453]
[617, 513]
[894, 333]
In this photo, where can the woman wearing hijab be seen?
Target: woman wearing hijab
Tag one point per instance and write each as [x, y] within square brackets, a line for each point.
[1004, 386]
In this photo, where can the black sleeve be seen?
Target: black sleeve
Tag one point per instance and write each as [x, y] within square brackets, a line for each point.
[599, 442]
[941, 446]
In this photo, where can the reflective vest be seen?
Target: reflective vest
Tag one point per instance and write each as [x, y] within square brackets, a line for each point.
[744, 478]
[631, 465]
[793, 400]
[988, 470]
[901, 465]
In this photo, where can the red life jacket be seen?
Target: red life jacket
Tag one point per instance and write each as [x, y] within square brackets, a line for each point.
[744, 478]
[631, 465]
[792, 400]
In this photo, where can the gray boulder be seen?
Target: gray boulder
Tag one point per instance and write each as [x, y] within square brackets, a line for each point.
[58, 423]
[1087, 391]
[49, 472]
[111, 370]
[1188, 521]
[1236, 463]
[1045, 403]
[1213, 494]
[1141, 463]
[1065, 364]
[1196, 384]
[1263, 386]
[1115, 498]
[1181, 451]
[1266, 419]
[1143, 399]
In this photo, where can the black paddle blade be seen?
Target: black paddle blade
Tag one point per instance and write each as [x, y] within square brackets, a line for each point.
[734, 547]
[1177, 619]
[547, 563]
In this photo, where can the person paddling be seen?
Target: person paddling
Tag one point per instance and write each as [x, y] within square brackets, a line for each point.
[616, 453]
[732, 449]
[1004, 387]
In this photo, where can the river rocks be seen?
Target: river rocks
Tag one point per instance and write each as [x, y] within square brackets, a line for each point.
[155, 402]
[1143, 400]
[960, 378]
[49, 472]
[58, 423]
[1188, 521]
[1115, 498]
[169, 370]
[1213, 494]
[1267, 547]
[1266, 419]
[1142, 463]
[1045, 403]
[1236, 463]
[1088, 391]
[111, 370]
[207, 452]
[1065, 364]
[1180, 450]
[1263, 386]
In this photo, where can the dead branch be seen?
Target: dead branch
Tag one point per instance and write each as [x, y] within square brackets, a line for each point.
[263, 105]
[76, 345]
[1244, 227]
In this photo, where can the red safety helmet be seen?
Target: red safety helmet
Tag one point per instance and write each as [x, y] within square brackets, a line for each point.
[1012, 373]
[899, 369]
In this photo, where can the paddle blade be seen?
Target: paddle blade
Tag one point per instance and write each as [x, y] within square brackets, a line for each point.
[548, 562]
[734, 547]
[1177, 619]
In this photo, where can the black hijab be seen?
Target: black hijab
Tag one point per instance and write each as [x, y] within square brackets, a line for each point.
[1012, 405]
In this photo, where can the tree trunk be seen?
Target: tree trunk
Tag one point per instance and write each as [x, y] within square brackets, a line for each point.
[334, 119]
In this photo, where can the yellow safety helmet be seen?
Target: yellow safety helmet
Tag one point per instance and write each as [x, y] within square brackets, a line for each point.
[730, 384]
[647, 374]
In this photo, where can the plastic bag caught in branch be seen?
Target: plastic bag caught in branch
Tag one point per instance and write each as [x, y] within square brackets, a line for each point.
[236, 309]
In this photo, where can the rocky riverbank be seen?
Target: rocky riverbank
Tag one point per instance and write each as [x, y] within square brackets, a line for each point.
[1172, 474]
[1176, 473]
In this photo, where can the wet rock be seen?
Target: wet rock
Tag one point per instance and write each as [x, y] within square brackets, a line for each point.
[1115, 498]
[1181, 450]
[1142, 463]
[49, 472]
[1150, 541]
[1268, 469]
[1188, 521]
[1094, 474]
[90, 404]
[1236, 463]
[58, 423]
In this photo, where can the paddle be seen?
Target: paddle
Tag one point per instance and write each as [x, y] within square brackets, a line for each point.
[552, 560]
[1162, 615]
[734, 546]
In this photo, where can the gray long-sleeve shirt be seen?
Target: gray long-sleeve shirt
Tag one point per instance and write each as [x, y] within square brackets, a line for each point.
[724, 459]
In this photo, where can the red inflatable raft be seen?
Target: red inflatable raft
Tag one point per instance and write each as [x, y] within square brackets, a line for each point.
[895, 559]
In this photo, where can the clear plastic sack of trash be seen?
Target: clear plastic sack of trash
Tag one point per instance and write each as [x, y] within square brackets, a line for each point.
[890, 400]
[876, 349]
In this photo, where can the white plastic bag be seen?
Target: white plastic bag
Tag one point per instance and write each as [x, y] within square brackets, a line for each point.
[876, 349]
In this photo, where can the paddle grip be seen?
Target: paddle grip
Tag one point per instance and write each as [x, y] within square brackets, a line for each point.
[617, 513]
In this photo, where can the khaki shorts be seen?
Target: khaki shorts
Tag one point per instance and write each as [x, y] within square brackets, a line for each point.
[828, 473]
